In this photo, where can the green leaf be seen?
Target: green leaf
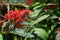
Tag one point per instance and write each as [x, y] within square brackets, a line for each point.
[49, 31]
[5, 24]
[26, 23]
[52, 17]
[22, 33]
[1, 37]
[41, 33]
[36, 13]
[26, 6]
[40, 19]
[57, 37]
[52, 27]
[35, 4]
[59, 18]
[15, 38]
[39, 6]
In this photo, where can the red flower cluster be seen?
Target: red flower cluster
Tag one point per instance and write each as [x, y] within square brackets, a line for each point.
[17, 16]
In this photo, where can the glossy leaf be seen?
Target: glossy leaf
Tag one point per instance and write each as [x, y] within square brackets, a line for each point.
[41, 33]
[40, 19]
[36, 13]
[53, 17]
[21, 32]
[35, 4]
[39, 6]
[26, 23]
[5, 24]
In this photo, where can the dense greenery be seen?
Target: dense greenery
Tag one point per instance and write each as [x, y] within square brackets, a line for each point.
[42, 24]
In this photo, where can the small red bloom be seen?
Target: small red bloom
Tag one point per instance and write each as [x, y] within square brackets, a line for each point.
[19, 20]
[10, 15]
[23, 12]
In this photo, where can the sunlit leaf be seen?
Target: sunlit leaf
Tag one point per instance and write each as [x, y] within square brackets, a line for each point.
[26, 23]
[57, 37]
[15, 38]
[1, 37]
[59, 18]
[41, 33]
[52, 27]
[35, 4]
[36, 13]
[39, 6]
[53, 17]
[5, 24]
[22, 33]
[40, 19]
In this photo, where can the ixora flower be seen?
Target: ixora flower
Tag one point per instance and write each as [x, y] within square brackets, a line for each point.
[17, 16]
[10, 15]
[23, 12]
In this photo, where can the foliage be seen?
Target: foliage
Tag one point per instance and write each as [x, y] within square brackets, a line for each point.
[38, 22]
